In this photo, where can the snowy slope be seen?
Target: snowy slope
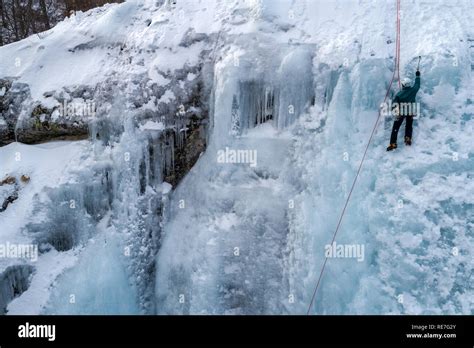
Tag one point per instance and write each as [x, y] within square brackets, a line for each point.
[49, 165]
[87, 47]
[239, 238]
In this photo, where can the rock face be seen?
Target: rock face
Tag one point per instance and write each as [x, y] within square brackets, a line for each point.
[12, 96]
[30, 122]
[8, 192]
[79, 112]
[13, 281]
[187, 155]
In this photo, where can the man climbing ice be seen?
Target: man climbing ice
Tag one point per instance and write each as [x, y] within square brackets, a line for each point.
[404, 108]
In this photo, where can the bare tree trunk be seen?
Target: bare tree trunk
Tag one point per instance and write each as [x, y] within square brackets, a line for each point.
[20, 19]
[14, 21]
[70, 6]
[44, 11]
[2, 26]
[30, 19]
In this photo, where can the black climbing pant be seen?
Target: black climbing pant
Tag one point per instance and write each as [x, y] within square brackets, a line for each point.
[396, 126]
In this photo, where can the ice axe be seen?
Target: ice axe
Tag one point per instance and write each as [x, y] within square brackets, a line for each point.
[419, 59]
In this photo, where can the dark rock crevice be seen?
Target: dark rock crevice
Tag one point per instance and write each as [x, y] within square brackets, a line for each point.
[13, 282]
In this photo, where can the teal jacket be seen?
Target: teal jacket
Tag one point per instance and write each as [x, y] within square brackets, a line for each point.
[407, 94]
[404, 103]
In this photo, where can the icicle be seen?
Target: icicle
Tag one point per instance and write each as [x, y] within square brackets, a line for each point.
[235, 117]
[296, 86]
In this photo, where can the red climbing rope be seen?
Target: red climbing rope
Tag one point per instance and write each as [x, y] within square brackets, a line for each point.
[395, 72]
[397, 54]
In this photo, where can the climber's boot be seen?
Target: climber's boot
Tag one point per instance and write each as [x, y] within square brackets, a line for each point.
[407, 141]
[392, 147]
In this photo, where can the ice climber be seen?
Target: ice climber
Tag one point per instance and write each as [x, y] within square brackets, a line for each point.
[405, 108]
